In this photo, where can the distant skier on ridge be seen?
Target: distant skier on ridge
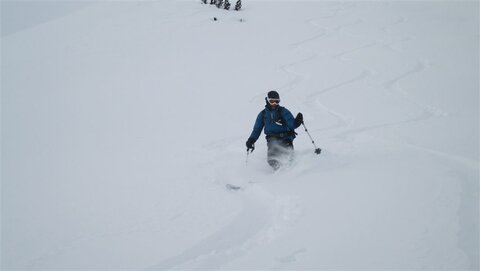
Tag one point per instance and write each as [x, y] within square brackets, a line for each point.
[279, 127]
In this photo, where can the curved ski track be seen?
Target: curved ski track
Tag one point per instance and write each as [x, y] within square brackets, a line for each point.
[262, 218]
[391, 86]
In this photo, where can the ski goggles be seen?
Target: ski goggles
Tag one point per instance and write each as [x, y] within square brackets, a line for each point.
[273, 101]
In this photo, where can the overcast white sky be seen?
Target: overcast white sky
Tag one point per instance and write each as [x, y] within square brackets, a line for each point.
[18, 15]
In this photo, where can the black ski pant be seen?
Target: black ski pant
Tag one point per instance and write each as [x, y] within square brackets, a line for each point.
[280, 151]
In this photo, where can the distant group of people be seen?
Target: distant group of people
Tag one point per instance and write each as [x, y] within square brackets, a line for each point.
[224, 4]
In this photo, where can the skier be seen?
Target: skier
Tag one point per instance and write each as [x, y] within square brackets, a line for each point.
[279, 127]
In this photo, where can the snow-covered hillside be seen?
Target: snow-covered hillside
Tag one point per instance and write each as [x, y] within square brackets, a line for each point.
[122, 122]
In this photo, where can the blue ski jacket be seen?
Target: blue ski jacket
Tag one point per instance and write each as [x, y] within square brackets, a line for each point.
[276, 123]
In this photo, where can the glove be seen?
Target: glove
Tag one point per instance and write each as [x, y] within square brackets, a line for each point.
[250, 144]
[298, 120]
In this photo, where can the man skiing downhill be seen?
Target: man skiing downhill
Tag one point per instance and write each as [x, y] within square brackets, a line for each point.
[279, 127]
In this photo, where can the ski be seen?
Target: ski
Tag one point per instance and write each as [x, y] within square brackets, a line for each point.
[233, 187]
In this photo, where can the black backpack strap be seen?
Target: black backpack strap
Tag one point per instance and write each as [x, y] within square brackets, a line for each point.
[282, 120]
[280, 117]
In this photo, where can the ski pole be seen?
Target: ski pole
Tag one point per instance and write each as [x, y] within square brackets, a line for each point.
[248, 153]
[317, 150]
[250, 148]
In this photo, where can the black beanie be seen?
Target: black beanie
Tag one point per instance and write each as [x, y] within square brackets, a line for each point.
[273, 95]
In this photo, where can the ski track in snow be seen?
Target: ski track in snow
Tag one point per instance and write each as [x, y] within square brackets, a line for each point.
[390, 86]
[262, 218]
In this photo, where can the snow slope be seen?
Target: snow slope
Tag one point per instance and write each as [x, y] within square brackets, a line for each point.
[122, 122]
